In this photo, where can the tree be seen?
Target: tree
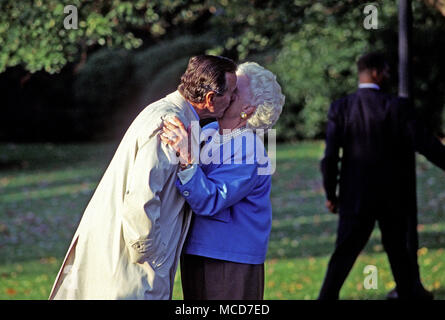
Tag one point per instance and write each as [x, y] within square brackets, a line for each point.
[316, 64]
[256, 26]
[32, 33]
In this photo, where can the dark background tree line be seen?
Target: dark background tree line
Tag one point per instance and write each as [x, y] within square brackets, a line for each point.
[88, 84]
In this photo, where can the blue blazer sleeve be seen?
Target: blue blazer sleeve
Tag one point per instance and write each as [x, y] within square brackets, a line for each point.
[220, 189]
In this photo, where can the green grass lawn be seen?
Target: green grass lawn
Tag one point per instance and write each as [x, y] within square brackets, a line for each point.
[44, 189]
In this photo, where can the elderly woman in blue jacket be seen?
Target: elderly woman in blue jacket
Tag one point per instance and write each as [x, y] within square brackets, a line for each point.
[229, 192]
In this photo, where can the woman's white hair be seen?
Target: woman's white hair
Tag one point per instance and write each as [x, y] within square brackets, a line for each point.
[265, 95]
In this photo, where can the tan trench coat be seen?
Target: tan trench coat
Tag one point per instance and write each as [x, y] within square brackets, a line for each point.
[129, 239]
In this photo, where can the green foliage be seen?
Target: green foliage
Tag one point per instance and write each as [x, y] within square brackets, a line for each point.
[103, 78]
[100, 88]
[114, 84]
[32, 33]
[150, 62]
[317, 64]
[257, 25]
[314, 67]
[166, 81]
[312, 46]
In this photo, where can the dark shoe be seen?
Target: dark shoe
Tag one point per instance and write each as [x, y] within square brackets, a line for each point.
[424, 294]
[392, 295]
[421, 294]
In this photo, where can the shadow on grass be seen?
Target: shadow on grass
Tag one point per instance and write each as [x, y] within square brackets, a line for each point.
[55, 218]
[44, 184]
[18, 157]
[439, 294]
[40, 227]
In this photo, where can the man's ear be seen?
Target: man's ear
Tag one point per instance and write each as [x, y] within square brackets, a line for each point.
[209, 99]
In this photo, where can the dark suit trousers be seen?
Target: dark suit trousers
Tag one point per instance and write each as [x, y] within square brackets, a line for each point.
[211, 279]
[352, 235]
[413, 245]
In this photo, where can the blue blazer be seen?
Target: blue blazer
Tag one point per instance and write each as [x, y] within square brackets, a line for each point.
[232, 210]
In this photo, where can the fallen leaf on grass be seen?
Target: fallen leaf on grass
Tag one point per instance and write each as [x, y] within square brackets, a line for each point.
[11, 291]
[390, 285]
[436, 267]
[48, 260]
[422, 251]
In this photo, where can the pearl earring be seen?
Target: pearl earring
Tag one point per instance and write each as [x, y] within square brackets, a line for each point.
[243, 115]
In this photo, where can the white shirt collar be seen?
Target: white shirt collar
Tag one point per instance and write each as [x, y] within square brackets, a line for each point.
[368, 85]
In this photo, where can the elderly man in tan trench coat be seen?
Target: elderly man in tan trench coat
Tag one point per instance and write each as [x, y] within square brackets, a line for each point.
[129, 240]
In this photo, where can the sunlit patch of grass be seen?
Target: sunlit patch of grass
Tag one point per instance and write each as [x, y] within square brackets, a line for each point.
[31, 279]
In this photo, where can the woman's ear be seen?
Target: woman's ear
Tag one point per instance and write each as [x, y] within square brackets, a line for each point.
[249, 110]
[209, 99]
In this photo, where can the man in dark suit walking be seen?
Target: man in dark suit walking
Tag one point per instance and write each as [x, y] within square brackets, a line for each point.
[378, 135]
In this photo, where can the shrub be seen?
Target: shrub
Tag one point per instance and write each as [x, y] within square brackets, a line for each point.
[115, 84]
[150, 62]
[165, 82]
[100, 87]
[314, 68]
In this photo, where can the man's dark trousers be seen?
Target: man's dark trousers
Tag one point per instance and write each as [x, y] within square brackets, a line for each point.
[352, 235]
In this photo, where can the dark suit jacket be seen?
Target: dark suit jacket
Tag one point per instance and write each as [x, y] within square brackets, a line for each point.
[377, 135]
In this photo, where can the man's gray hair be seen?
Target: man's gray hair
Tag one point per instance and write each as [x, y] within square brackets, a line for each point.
[265, 95]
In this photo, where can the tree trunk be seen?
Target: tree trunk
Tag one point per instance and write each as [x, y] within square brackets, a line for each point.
[405, 34]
